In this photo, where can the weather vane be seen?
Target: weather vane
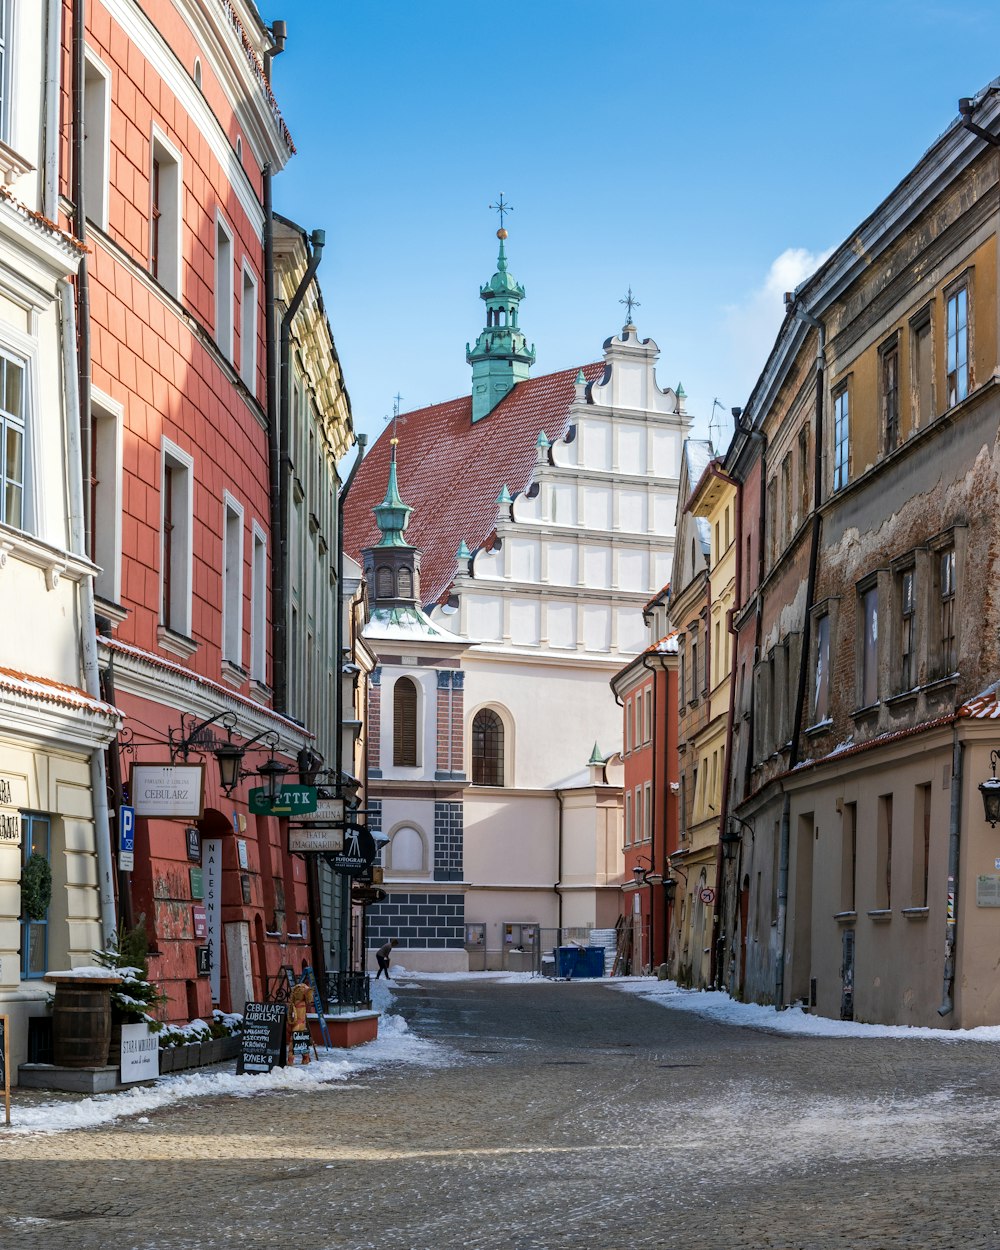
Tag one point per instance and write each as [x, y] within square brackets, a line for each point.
[396, 419]
[631, 302]
[501, 207]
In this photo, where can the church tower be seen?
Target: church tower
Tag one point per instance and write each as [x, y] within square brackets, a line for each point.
[501, 357]
[392, 567]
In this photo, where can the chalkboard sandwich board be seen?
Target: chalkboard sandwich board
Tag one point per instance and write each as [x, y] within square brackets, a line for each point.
[263, 1038]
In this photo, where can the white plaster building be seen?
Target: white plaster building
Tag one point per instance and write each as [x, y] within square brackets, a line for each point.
[545, 523]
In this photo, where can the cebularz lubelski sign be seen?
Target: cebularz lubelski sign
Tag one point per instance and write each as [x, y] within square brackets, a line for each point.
[172, 790]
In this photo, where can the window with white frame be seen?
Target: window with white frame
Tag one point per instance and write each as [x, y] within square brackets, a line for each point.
[248, 330]
[907, 629]
[258, 607]
[96, 139]
[232, 581]
[947, 657]
[868, 652]
[649, 715]
[957, 334]
[13, 420]
[6, 67]
[647, 828]
[106, 494]
[841, 438]
[224, 288]
[165, 215]
[628, 818]
[176, 534]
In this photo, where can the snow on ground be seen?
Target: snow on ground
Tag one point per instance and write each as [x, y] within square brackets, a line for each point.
[395, 1044]
[719, 1007]
[408, 978]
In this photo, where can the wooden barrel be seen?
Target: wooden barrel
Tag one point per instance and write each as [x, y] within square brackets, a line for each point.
[81, 1024]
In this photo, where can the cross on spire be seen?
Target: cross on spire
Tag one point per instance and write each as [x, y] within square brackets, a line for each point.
[631, 302]
[501, 207]
[396, 420]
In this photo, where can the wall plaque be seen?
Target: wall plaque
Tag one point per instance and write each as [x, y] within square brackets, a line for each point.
[170, 790]
[988, 890]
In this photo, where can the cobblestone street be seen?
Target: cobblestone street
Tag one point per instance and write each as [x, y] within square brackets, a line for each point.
[565, 1116]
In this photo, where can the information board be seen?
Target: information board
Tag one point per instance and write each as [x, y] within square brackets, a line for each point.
[5, 1064]
[263, 1037]
[140, 1053]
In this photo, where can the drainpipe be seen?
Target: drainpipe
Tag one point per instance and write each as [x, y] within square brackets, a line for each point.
[951, 917]
[82, 283]
[53, 83]
[280, 566]
[559, 897]
[88, 631]
[800, 694]
[758, 609]
[279, 33]
[338, 687]
[656, 808]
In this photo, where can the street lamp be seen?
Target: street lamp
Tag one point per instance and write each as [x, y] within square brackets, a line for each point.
[990, 790]
[640, 874]
[272, 772]
[730, 841]
[230, 757]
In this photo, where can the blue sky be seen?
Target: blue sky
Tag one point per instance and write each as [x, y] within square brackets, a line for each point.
[704, 153]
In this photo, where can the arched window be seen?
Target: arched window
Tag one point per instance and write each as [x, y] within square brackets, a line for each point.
[383, 584]
[406, 852]
[197, 73]
[487, 749]
[405, 584]
[404, 723]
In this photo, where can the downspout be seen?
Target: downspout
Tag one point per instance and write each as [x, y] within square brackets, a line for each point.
[88, 628]
[338, 687]
[758, 609]
[656, 808]
[951, 915]
[800, 694]
[82, 282]
[280, 568]
[53, 82]
[559, 897]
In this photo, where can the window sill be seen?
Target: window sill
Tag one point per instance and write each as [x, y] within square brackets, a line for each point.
[821, 727]
[233, 674]
[845, 917]
[916, 913]
[940, 683]
[868, 712]
[115, 612]
[880, 915]
[177, 644]
[260, 692]
[12, 165]
[904, 698]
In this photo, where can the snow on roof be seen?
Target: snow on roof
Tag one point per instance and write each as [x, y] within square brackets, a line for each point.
[984, 706]
[698, 453]
[45, 690]
[451, 471]
[406, 625]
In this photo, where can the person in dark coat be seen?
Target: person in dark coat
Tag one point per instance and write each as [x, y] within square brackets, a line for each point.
[383, 955]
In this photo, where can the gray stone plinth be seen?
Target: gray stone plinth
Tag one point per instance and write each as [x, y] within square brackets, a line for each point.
[75, 1080]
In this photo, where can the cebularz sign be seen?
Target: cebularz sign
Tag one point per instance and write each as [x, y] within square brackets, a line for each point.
[10, 817]
[171, 790]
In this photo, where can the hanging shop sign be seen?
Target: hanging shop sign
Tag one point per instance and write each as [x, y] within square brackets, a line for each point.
[263, 1044]
[321, 839]
[327, 812]
[140, 1053]
[199, 918]
[10, 817]
[193, 835]
[358, 853]
[126, 838]
[291, 801]
[170, 790]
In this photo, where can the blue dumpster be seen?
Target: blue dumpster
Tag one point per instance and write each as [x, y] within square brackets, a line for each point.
[577, 962]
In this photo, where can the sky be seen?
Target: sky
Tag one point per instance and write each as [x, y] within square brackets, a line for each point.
[708, 155]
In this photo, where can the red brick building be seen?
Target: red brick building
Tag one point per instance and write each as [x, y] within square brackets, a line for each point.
[171, 135]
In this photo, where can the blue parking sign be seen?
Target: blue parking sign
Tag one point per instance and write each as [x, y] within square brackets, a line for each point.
[126, 829]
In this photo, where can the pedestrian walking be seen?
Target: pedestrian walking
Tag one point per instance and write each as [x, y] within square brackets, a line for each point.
[383, 955]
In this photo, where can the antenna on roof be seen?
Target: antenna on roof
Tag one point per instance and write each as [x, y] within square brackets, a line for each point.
[714, 425]
[396, 419]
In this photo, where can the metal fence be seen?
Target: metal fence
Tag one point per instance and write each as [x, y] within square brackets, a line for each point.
[348, 991]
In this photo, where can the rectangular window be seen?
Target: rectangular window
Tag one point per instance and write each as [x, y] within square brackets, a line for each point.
[848, 856]
[694, 669]
[771, 522]
[947, 654]
[628, 819]
[106, 496]
[638, 815]
[258, 608]
[890, 397]
[841, 439]
[787, 519]
[907, 630]
[804, 472]
[649, 715]
[869, 647]
[922, 371]
[176, 528]
[958, 345]
[5, 69]
[232, 581]
[628, 725]
[13, 406]
[96, 140]
[921, 844]
[36, 839]
[224, 288]
[681, 662]
[165, 216]
[648, 810]
[248, 331]
[883, 854]
[821, 678]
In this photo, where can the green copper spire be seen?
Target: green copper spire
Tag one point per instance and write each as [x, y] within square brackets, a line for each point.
[501, 357]
[392, 515]
[595, 756]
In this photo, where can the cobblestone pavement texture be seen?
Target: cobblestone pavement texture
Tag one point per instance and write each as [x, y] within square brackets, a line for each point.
[568, 1117]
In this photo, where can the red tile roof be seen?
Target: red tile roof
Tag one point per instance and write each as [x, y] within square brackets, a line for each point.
[45, 690]
[451, 472]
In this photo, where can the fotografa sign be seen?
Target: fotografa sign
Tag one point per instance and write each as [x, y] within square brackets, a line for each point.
[170, 790]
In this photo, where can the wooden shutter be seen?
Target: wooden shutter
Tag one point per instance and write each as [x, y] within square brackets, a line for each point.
[404, 724]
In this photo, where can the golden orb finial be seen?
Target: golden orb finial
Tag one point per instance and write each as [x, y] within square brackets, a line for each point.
[393, 442]
[501, 233]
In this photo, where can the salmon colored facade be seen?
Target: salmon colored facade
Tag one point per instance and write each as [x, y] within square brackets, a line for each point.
[181, 128]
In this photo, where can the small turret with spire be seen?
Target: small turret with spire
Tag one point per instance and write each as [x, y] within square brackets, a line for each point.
[501, 357]
[392, 566]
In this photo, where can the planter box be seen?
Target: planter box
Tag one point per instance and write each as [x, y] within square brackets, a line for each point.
[211, 1051]
[166, 1060]
[194, 1054]
[350, 1029]
[231, 1047]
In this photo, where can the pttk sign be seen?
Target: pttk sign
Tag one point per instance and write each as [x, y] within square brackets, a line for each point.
[290, 801]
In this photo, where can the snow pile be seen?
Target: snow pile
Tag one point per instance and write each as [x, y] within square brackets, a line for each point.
[408, 978]
[720, 1008]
